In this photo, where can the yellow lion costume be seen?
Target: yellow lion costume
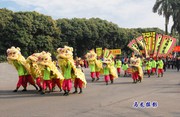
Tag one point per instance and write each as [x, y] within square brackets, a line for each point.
[44, 60]
[32, 61]
[14, 54]
[35, 71]
[95, 65]
[135, 66]
[65, 54]
[19, 62]
[108, 63]
[92, 57]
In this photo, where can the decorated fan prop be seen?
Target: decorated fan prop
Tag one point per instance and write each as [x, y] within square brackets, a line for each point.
[153, 45]
[89, 52]
[108, 54]
[99, 52]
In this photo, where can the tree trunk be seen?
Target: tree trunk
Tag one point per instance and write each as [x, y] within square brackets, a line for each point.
[179, 40]
[166, 25]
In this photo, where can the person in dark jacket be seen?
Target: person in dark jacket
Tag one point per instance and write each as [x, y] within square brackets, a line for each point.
[177, 64]
[165, 63]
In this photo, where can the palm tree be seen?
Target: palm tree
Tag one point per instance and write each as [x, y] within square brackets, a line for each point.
[176, 17]
[164, 7]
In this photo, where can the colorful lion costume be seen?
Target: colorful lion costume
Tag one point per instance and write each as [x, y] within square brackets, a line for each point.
[108, 63]
[19, 62]
[95, 65]
[136, 69]
[92, 57]
[44, 60]
[14, 54]
[64, 55]
[35, 71]
[32, 61]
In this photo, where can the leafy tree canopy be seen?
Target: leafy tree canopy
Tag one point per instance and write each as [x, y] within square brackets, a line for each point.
[35, 32]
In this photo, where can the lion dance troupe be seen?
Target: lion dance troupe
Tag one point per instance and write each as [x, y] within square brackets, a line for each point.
[41, 72]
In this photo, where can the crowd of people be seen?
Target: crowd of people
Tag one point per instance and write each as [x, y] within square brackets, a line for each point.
[169, 63]
[150, 66]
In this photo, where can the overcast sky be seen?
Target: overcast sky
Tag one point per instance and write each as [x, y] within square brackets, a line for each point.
[124, 13]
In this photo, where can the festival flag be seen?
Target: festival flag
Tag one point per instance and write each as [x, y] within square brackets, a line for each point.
[153, 45]
[99, 52]
[157, 44]
[111, 55]
[176, 49]
[133, 45]
[149, 39]
[146, 43]
[116, 51]
[167, 45]
[140, 40]
[88, 52]
[106, 53]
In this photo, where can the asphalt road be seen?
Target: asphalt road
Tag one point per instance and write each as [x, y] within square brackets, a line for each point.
[97, 100]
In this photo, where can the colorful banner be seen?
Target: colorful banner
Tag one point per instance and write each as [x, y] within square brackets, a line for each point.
[116, 51]
[167, 45]
[157, 44]
[153, 45]
[99, 52]
[153, 42]
[106, 53]
[88, 52]
[133, 45]
[146, 43]
[111, 55]
[176, 49]
[140, 40]
[149, 39]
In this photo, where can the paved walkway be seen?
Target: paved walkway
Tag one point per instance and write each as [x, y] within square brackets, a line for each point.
[97, 100]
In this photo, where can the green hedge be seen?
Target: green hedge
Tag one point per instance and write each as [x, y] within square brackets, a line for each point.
[3, 58]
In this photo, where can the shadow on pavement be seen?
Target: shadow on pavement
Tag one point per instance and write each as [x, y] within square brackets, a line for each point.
[170, 92]
[8, 94]
[115, 83]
